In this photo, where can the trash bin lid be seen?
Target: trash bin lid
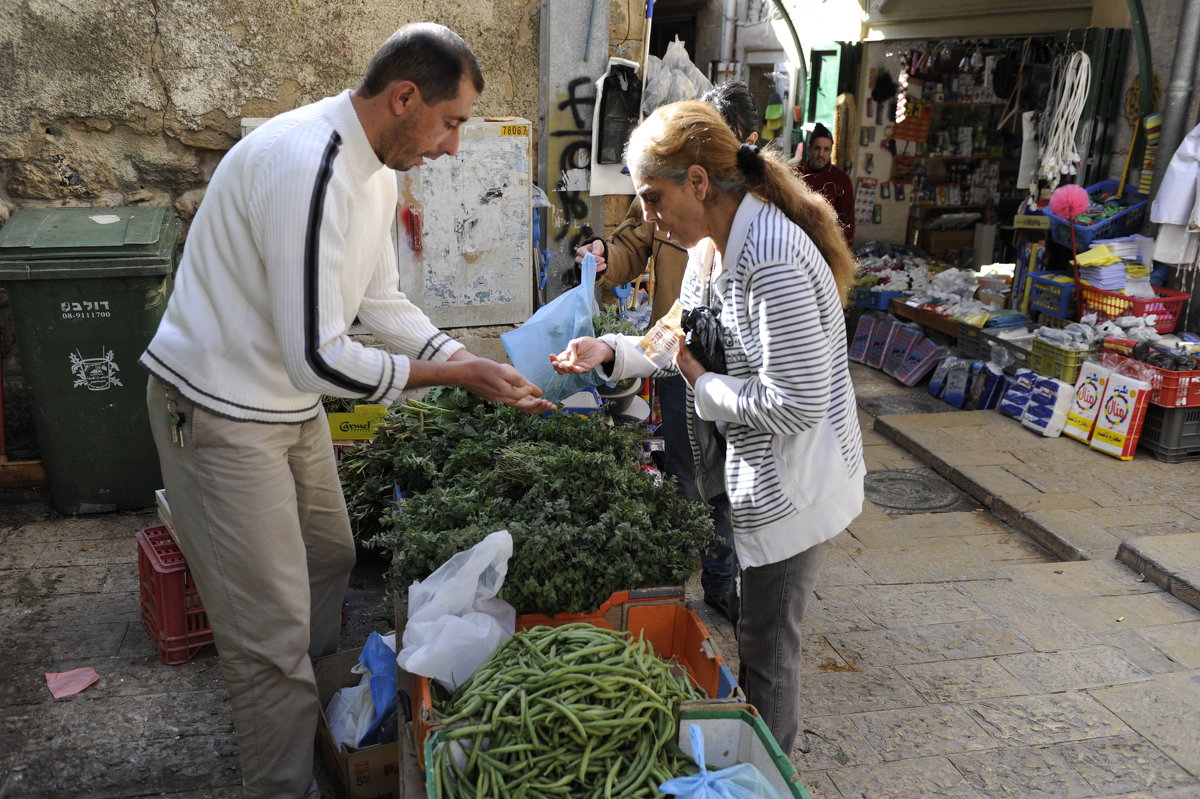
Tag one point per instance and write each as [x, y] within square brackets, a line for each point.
[39, 243]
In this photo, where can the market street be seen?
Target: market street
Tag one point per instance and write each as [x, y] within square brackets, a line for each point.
[949, 654]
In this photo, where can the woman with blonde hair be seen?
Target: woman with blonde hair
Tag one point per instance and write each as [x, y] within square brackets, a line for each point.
[778, 430]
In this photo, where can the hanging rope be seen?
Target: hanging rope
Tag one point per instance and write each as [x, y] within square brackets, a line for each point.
[1058, 154]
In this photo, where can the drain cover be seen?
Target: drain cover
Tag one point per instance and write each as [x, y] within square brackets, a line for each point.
[903, 404]
[914, 491]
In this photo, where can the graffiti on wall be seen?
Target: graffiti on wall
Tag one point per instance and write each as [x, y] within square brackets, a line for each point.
[570, 146]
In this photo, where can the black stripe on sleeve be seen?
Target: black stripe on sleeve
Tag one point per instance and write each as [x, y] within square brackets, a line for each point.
[312, 262]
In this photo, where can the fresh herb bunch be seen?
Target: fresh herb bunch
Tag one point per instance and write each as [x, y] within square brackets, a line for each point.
[610, 320]
[340, 404]
[585, 519]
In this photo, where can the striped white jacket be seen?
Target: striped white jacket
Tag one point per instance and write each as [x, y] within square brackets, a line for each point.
[793, 463]
[292, 242]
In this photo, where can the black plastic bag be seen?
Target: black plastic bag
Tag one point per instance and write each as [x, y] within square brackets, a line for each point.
[703, 336]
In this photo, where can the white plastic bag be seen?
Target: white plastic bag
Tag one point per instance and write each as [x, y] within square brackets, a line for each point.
[455, 621]
[351, 712]
[672, 79]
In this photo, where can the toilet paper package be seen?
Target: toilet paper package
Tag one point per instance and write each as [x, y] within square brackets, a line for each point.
[1049, 402]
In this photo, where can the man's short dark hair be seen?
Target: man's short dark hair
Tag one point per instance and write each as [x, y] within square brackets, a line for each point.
[430, 55]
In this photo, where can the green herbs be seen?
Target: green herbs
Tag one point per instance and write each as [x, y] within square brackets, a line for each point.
[574, 710]
[611, 320]
[586, 520]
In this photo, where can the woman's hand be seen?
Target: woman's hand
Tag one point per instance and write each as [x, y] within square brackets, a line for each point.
[582, 355]
[596, 248]
[686, 363]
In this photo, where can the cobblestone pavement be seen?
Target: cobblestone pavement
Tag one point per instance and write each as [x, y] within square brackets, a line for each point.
[949, 654]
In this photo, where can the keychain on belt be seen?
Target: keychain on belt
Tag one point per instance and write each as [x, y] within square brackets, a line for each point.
[175, 419]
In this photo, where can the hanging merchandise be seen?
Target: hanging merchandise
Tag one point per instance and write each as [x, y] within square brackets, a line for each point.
[1176, 205]
[673, 78]
[865, 200]
[773, 117]
[620, 96]
[1152, 124]
[1059, 153]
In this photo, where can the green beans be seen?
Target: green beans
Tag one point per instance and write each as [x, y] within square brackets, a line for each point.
[575, 711]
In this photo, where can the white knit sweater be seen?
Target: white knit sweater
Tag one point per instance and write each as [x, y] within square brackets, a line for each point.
[290, 244]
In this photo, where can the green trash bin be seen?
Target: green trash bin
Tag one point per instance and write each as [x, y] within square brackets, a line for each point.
[87, 288]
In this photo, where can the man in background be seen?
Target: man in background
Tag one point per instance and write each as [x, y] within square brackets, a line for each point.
[822, 176]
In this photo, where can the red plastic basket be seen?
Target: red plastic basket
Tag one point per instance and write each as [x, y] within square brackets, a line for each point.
[1166, 307]
[1171, 389]
[171, 608]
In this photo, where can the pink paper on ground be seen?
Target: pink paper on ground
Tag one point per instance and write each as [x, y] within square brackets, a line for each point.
[70, 682]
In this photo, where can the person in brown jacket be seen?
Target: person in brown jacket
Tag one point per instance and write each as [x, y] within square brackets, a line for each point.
[635, 247]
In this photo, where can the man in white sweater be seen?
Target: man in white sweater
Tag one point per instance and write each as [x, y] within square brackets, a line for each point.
[290, 245]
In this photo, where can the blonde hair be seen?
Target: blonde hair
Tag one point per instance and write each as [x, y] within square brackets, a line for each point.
[678, 135]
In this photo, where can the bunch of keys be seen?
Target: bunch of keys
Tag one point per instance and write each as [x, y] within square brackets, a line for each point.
[175, 419]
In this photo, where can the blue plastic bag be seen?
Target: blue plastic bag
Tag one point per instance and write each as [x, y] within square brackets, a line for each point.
[380, 661]
[740, 781]
[547, 332]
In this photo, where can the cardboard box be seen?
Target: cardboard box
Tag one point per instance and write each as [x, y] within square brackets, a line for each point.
[372, 772]
[938, 242]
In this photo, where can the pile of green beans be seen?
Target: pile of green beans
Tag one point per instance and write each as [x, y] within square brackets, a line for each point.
[571, 711]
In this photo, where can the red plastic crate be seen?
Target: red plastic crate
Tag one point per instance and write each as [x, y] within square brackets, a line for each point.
[171, 608]
[1170, 389]
[1166, 307]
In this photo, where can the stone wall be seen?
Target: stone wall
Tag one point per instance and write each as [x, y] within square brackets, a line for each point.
[113, 102]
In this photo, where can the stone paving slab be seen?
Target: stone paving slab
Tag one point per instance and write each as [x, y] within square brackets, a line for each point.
[1124, 612]
[1084, 578]
[819, 785]
[929, 643]
[939, 561]
[832, 742]
[1139, 651]
[861, 690]
[1179, 642]
[962, 680]
[1045, 719]
[925, 777]
[907, 605]
[1071, 770]
[1072, 670]
[1172, 561]
[1075, 502]
[1046, 629]
[1159, 710]
[915, 732]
